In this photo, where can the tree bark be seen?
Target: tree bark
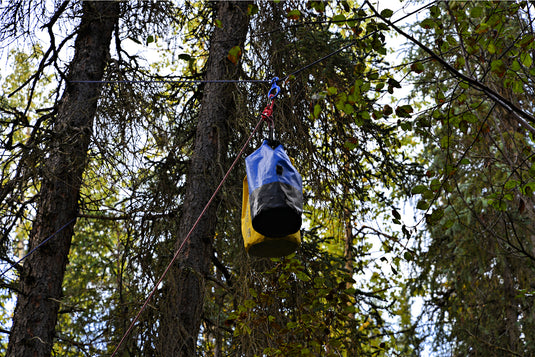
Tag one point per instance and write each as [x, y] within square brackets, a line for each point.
[184, 292]
[42, 275]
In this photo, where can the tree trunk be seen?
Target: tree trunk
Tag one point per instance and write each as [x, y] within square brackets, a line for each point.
[41, 279]
[184, 293]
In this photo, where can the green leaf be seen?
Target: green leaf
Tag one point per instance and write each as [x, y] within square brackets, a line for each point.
[417, 67]
[470, 117]
[463, 126]
[404, 111]
[252, 9]
[150, 39]
[218, 23]
[319, 6]
[482, 28]
[365, 115]
[294, 14]
[518, 87]
[302, 276]
[428, 195]
[435, 217]
[406, 125]
[317, 110]
[515, 66]
[435, 185]
[448, 224]
[526, 60]
[184, 56]
[234, 54]
[418, 189]
[464, 161]
[525, 41]
[511, 184]
[387, 110]
[406, 232]
[434, 11]
[451, 40]
[348, 109]
[351, 143]
[476, 11]
[332, 91]
[498, 67]
[427, 24]
[445, 46]
[387, 13]
[422, 205]
[372, 76]
[393, 83]
[528, 188]
[338, 18]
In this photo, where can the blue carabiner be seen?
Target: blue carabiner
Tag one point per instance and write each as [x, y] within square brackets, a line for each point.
[274, 87]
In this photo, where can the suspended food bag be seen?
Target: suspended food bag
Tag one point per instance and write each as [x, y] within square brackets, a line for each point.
[275, 191]
[258, 244]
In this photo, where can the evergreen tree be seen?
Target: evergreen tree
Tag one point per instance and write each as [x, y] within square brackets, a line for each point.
[62, 168]
[476, 257]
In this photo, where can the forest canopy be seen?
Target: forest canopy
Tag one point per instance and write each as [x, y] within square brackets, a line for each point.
[124, 128]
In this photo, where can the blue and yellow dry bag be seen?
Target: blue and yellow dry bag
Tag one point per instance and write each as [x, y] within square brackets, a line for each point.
[275, 191]
[258, 244]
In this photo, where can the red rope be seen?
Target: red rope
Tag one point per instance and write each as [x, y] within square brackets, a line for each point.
[190, 232]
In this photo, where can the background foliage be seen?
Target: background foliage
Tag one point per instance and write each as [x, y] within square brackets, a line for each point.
[458, 148]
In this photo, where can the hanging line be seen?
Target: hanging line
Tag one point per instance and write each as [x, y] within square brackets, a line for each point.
[195, 81]
[38, 246]
[179, 250]
[187, 81]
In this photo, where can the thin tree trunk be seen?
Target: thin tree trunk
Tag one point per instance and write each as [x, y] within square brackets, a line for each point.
[41, 279]
[183, 304]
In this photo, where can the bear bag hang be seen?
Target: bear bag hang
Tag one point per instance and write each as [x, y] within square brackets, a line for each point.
[272, 202]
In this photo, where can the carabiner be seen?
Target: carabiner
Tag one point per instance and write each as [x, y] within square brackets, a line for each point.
[274, 87]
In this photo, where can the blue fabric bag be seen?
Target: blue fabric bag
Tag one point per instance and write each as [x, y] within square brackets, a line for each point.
[275, 191]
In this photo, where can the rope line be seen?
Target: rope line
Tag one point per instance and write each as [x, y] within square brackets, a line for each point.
[195, 81]
[187, 81]
[187, 237]
[38, 246]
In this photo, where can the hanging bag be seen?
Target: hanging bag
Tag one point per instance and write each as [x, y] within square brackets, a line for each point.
[275, 191]
[259, 245]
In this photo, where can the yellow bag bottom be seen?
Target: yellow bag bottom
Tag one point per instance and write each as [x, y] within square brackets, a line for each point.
[261, 246]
